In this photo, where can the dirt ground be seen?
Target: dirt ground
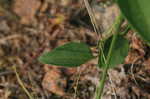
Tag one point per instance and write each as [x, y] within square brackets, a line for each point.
[30, 27]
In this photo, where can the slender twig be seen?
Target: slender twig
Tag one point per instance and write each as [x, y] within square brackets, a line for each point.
[4, 39]
[128, 27]
[21, 84]
[132, 65]
[6, 73]
[77, 82]
[97, 29]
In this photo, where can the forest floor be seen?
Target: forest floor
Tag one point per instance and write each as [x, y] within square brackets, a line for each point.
[30, 27]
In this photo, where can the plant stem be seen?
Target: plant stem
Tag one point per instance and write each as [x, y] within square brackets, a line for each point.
[21, 84]
[104, 74]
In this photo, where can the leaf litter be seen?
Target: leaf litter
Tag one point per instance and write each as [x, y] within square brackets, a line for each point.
[45, 24]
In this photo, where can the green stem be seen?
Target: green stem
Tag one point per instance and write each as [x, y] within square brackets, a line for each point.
[128, 27]
[104, 74]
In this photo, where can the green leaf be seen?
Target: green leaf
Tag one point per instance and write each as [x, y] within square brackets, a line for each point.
[137, 13]
[69, 55]
[119, 52]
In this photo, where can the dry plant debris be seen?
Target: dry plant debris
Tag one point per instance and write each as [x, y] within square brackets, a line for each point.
[26, 9]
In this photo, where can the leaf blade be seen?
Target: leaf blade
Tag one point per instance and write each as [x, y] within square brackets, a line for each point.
[138, 14]
[69, 55]
[119, 52]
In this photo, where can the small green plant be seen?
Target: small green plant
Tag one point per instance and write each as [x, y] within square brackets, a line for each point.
[113, 46]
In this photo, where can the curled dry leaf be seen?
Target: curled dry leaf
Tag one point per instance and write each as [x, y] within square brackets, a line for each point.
[132, 57]
[26, 9]
[54, 82]
[137, 44]
[55, 79]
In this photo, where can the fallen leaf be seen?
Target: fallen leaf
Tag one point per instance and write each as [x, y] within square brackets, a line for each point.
[132, 57]
[54, 82]
[26, 10]
[58, 19]
[137, 44]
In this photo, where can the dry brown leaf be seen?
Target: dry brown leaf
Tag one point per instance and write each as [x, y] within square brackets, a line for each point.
[26, 9]
[54, 82]
[132, 57]
[137, 44]
[55, 79]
